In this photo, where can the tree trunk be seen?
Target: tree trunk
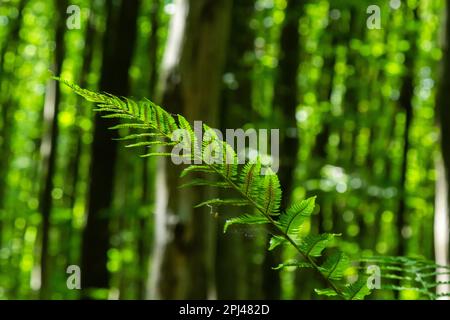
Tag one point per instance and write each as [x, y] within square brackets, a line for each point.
[190, 82]
[285, 100]
[143, 246]
[91, 35]
[441, 231]
[236, 248]
[406, 97]
[49, 146]
[118, 46]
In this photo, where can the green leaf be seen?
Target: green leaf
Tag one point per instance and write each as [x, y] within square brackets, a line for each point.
[196, 168]
[149, 144]
[245, 219]
[270, 195]
[229, 168]
[107, 108]
[202, 182]
[335, 266]
[293, 263]
[313, 245]
[358, 290]
[296, 215]
[156, 154]
[275, 241]
[118, 116]
[326, 292]
[249, 177]
[139, 136]
[223, 202]
[130, 126]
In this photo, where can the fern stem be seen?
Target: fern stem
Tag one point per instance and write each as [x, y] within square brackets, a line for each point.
[281, 231]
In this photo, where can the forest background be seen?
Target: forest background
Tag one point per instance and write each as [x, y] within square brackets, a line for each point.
[361, 100]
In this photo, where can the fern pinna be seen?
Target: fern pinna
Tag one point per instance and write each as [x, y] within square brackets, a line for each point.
[261, 193]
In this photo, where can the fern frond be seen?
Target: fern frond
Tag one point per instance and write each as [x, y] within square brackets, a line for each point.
[140, 136]
[195, 168]
[270, 194]
[202, 182]
[156, 154]
[223, 202]
[313, 245]
[296, 215]
[276, 241]
[130, 126]
[118, 116]
[262, 192]
[335, 266]
[294, 263]
[245, 219]
[326, 292]
[150, 144]
[250, 176]
[357, 290]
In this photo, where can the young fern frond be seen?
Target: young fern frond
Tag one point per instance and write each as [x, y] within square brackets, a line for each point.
[260, 192]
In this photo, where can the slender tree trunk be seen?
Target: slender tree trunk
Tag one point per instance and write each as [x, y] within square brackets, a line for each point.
[441, 229]
[143, 247]
[406, 97]
[236, 249]
[191, 83]
[285, 100]
[77, 133]
[118, 46]
[49, 146]
[441, 225]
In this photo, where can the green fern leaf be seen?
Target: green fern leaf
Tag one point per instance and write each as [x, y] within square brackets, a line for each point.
[357, 290]
[296, 215]
[326, 292]
[107, 108]
[149, 144]
[139, 136]
[130, 126]
[313, 245]
[118, 116]
[276, 241]
[245, 219]
[194, 168]
[223, 202]
[201, 182]
[335, 266]
[156, 154]
[270, 195]
[293, 263]
[249, 177]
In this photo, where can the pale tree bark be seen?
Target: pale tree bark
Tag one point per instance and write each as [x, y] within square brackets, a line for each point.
[190, 84]
[441, 224]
